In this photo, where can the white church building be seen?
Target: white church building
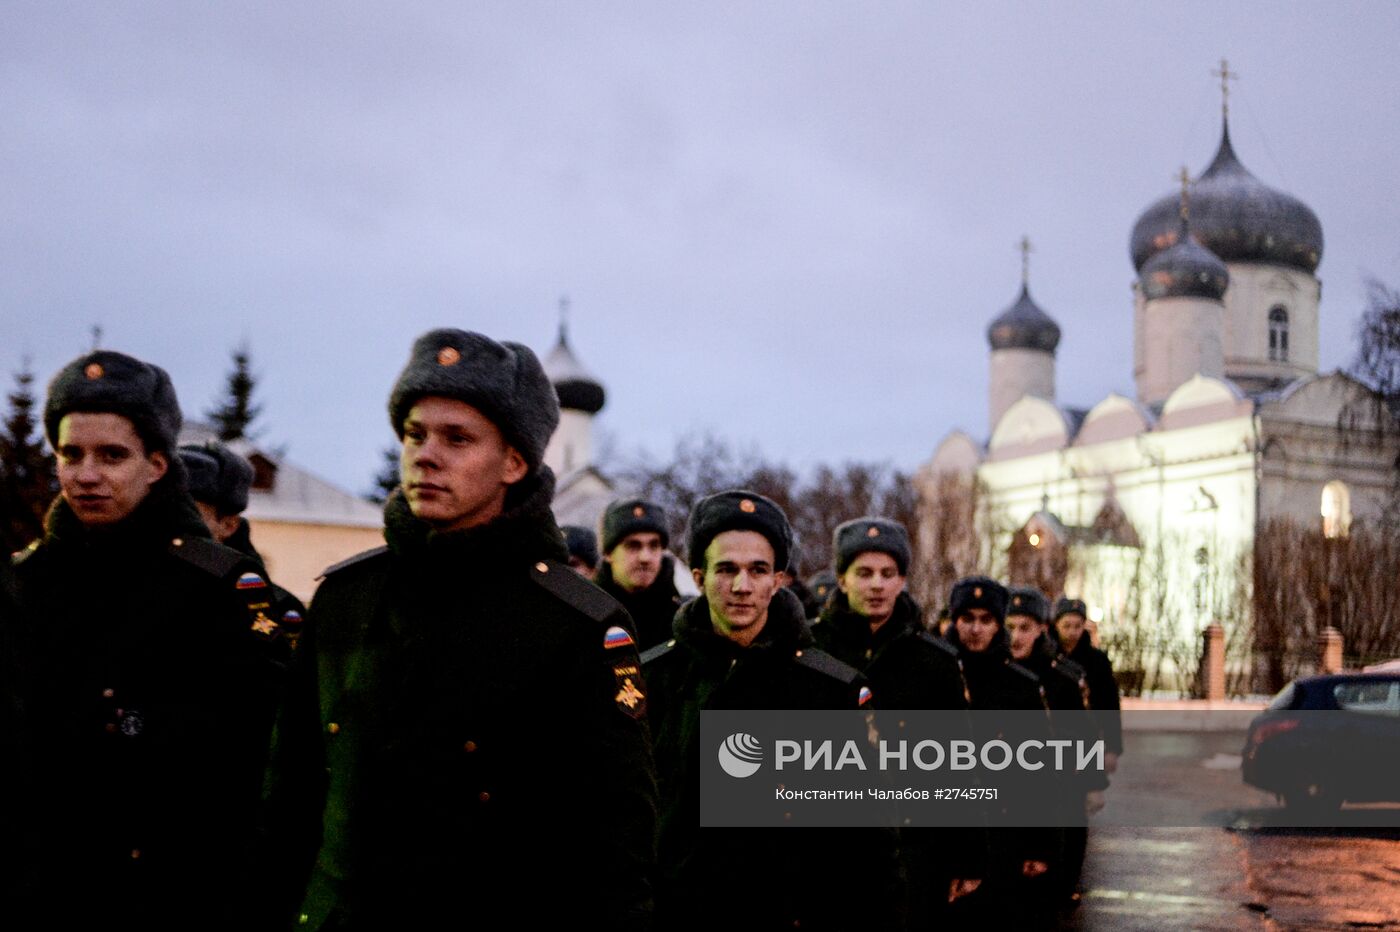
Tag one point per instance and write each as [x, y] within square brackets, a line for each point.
[1150, 504]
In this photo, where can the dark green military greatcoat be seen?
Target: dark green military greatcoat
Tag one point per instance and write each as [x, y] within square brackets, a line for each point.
[480, 713]
[908, 667]
[145, 668]
[756, 878]
[651, 609]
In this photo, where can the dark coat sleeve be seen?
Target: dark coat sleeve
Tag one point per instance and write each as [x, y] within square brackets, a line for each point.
[626, 824]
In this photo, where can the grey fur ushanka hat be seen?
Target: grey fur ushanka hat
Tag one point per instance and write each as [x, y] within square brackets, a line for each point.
[108, 382]
[866, 535]
[504, 381]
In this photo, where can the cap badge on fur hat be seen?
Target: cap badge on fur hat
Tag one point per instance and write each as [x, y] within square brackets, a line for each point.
[873, 532]
[93, 371]
[638, 511]
[1016, 601]
[977, 593]
[448, 356]
[747, 507]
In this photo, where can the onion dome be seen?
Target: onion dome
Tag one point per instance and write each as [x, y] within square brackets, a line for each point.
[1185, 270]
[1237, 217]
[1024, 326]
[577, 389]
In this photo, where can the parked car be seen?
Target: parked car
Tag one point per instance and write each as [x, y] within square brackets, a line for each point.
[1325, 740]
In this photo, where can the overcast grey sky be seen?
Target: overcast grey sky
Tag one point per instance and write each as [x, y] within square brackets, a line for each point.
[787, 223]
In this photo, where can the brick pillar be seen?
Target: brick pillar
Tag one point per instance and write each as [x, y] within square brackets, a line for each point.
[1213, 663]
[1329, 651]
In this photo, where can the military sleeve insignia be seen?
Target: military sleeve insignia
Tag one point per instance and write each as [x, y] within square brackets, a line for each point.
[264, 625]
[864, 696]
[617, 636]
[250, 581]
[291, 626]
[630, 699]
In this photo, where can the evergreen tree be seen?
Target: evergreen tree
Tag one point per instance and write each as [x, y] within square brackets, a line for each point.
[235, 414]
[28, 480]
[387, 479]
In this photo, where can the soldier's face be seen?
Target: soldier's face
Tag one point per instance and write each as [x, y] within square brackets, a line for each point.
[738, 581]
[104, 471]
[222, 527]
[636, 560]
[455, 466]
[977, 627]
[1070, 628]
[1024, 631]
[872, 582]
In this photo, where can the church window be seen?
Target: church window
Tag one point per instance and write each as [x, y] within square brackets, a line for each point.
[1278, 334]
[1336, 510]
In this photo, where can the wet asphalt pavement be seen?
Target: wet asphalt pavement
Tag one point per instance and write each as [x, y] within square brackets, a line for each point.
[1243, 869]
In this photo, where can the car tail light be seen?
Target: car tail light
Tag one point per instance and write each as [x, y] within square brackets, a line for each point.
[1270, 729]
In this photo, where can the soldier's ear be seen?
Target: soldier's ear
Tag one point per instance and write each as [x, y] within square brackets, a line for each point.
[160, 463]
[516, 467]
[699, 577]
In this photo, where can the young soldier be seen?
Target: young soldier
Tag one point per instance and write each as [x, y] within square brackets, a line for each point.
[1066, 692]
[636, 570]
[147, 671]
[1016, 888]
[583, 550]
[219, 481]
[481, 708]
[874, 625]
[1070, 615]
[822, 585]
[743, 644]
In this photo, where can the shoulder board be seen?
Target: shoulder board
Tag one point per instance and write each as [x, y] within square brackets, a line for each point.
[357, 558]
[822, 662]
[1029, 675]
[1068, 668]
[569, 587]
[939, 643]
[214, 559]
[19, 556]
[660, 650]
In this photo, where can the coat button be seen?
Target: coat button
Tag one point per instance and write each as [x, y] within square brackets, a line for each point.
[483, 796]
[333, 728]
[108, 693]
[178, 542]
[542, 566]
[469, 747]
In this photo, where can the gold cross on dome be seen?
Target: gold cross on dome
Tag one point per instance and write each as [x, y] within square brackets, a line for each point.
[1025, 247]
[1185, 178]
[1226, 76]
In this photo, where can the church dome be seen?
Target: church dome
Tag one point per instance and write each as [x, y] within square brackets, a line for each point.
[577, 389]
[1024, 326]
[1235, 216]
[1185, 270]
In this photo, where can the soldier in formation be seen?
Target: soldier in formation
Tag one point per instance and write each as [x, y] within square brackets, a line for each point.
[872, 623]
[637, 571]
[143, 667]
[744, 644]
[475, 706]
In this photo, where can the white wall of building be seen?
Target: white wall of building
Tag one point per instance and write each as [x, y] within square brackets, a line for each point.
[1019, 372]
